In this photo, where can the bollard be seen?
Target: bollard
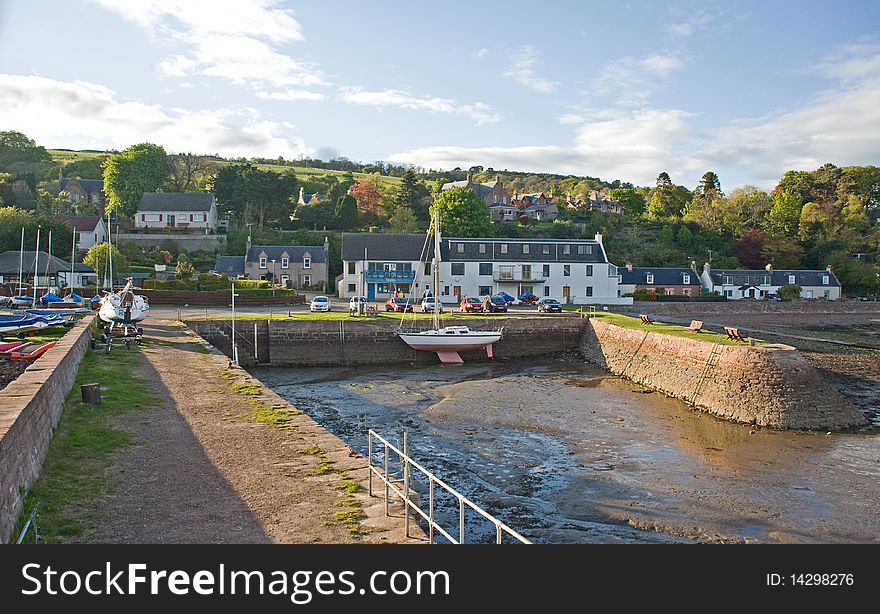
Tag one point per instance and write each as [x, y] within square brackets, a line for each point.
[91, 394]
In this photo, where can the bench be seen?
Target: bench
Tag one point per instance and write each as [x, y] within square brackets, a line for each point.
[645, 319]
[371, 310]
[696, 326]
[733, 334]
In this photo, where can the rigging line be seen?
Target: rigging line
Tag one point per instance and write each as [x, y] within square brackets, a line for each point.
[422, 256]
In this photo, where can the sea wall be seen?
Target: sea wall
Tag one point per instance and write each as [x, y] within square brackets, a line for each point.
[768, 385]
[311, 343]
[29, 411]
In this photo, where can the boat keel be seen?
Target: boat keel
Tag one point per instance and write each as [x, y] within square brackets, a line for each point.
[450, 358]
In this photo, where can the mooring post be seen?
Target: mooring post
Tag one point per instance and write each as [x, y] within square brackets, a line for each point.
[91, 393]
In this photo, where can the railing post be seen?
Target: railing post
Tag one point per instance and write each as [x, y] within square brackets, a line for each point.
[497, 533]
[370, 463]
[460, 520]
[256, 355]
[385, 479]
[431, 509]
[405, 485]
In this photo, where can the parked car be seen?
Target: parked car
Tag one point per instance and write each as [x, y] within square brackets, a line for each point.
[399, 304]
[508, 299]
[495, 303]
[357, 301]
[549, 305]
[775, 297]
[468, 305]
[429, 303]
[320, 303]
[527, 298]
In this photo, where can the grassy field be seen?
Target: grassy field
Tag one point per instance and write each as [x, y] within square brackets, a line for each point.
[667, 329]
[81, 448]
[65, 156]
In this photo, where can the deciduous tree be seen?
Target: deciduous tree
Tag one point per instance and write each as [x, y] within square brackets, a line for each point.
[785, 214]
[98, 257]
[138, 169]
[462, 213]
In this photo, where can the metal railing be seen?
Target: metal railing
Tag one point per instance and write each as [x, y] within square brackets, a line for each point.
[391, 486]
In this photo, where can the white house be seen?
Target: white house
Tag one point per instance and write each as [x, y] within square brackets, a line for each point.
[90, 229]
[738, 284]
[573, 271]
[178, 210]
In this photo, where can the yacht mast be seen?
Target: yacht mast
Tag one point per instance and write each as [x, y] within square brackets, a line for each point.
[436, 280]
[21, 262]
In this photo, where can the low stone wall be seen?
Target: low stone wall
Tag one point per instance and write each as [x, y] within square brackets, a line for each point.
[747, 306]
[189, 242]
[771, 385]
[304, 343]
[182, 297]
[29, 411]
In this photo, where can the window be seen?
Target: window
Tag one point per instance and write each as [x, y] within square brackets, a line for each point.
[546, 290]
[446, 290]
[687, 291]
[485, 268]
[546, 270]
[566, 250]
[545, 249]
[285, 263]
[728, 293]
[307, 262]
[589, 270]
[458, 268]
[351, 288]
[585, 249]
[827, 293]
[503, 248]
[484, 290]
[650, 279]
[526, 248]
[351, 268]
[727, 280]
[459, 248]
[482, 248]
[766, 280]
[825, 280]
[686, 279]
[791, 279]
[589, 291]
[566, 270]
[151, 217]
[427, 268]
[263, 263]
[307, 280]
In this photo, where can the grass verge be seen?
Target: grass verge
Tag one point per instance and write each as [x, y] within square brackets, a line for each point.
[668, 329]
[82, 446]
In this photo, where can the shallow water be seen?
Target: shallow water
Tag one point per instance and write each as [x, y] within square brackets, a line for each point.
[563, 452]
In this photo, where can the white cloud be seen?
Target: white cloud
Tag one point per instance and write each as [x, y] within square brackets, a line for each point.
[291, 95]
[632, 80]
[238, 40]
[522, 71]
[82, 115]
[689, 20]
[481, 53]
[480, 112]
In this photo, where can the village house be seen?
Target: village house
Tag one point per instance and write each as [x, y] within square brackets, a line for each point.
[660, 280]
[90, 229]
[596, 202]
[493, 194]
[84, 191]
[309, 199]
[736, 284]
[539, 207]
[570, 270]
[300, 266]
[178, 211]
[52, 271]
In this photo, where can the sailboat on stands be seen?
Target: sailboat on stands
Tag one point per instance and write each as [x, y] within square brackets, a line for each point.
[121, 311]
[448, 341]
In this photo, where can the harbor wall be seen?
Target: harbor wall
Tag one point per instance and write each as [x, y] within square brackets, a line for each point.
[768, 385]
[312, 343]
[30, 408]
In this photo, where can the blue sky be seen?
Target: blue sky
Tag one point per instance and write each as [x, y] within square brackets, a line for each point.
[618, 90]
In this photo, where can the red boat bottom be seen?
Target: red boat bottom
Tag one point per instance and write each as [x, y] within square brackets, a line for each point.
[450, 358]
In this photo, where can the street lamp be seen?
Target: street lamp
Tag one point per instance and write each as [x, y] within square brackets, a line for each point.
[234, 346]
[273, 278]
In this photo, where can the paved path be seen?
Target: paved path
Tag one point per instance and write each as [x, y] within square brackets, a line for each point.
[201, 470]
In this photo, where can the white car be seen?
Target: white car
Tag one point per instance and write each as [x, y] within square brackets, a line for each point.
[357, 301]
[428, 304]
[320, 303]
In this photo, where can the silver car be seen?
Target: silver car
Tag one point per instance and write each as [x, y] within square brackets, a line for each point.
[320, 303]
[429, 303]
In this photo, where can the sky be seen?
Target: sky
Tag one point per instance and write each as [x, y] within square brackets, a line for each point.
[616, 90]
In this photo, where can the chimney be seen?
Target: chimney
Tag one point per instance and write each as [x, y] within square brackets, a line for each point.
[694, 267]
[594, 195]
[300, 194]
[599, 238]
[829, 269]
[247, 244]
[707, 269]
[629, 267]
[469, 178]
[769, 268]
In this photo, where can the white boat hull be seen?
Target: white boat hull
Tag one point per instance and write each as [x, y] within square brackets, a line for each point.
[124, 307]
[447, 342]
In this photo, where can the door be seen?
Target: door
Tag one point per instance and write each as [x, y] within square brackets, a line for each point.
[171, 220]
[456, 291]
[526, 272]
[566, 294]
[371, 291]
[809, 294]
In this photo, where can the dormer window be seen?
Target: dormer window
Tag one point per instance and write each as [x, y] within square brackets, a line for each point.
[460, 248]
[826, 280]
[307, 262]
[525, 248]
[285, 263]
[263, 263]
[650, 279]
[791, 280]
[686, 279]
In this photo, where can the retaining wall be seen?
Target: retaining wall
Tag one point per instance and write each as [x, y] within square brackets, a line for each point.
[306, 343]
[29, 411]
[771, 385]
[224, 297]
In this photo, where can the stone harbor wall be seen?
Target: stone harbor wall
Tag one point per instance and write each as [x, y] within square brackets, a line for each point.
[767, 385]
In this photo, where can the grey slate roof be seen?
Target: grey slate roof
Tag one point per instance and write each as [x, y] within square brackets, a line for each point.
[231, 266]
[307, 198]
[385, 246]
[480, 188]
[82, 223]
[91, 186]
[9, 262]
[176, 201]
[663, 276]
[778, 277]
[294, 252]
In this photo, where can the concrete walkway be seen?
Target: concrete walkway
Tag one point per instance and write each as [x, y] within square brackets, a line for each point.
[202, 469]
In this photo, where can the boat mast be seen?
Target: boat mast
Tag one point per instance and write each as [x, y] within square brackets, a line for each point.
[72, 258]
[110, 250]
[21, 262]
[36, 265]
[48, 262]
[436, 268]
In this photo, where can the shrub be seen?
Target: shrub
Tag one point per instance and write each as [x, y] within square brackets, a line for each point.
[790, 292]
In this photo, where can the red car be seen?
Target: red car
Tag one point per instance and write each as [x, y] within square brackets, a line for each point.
[468, 305]
[398, 304]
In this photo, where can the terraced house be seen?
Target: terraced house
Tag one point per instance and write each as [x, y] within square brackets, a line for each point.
[571, 270]
[738, 284]
[660, 280]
